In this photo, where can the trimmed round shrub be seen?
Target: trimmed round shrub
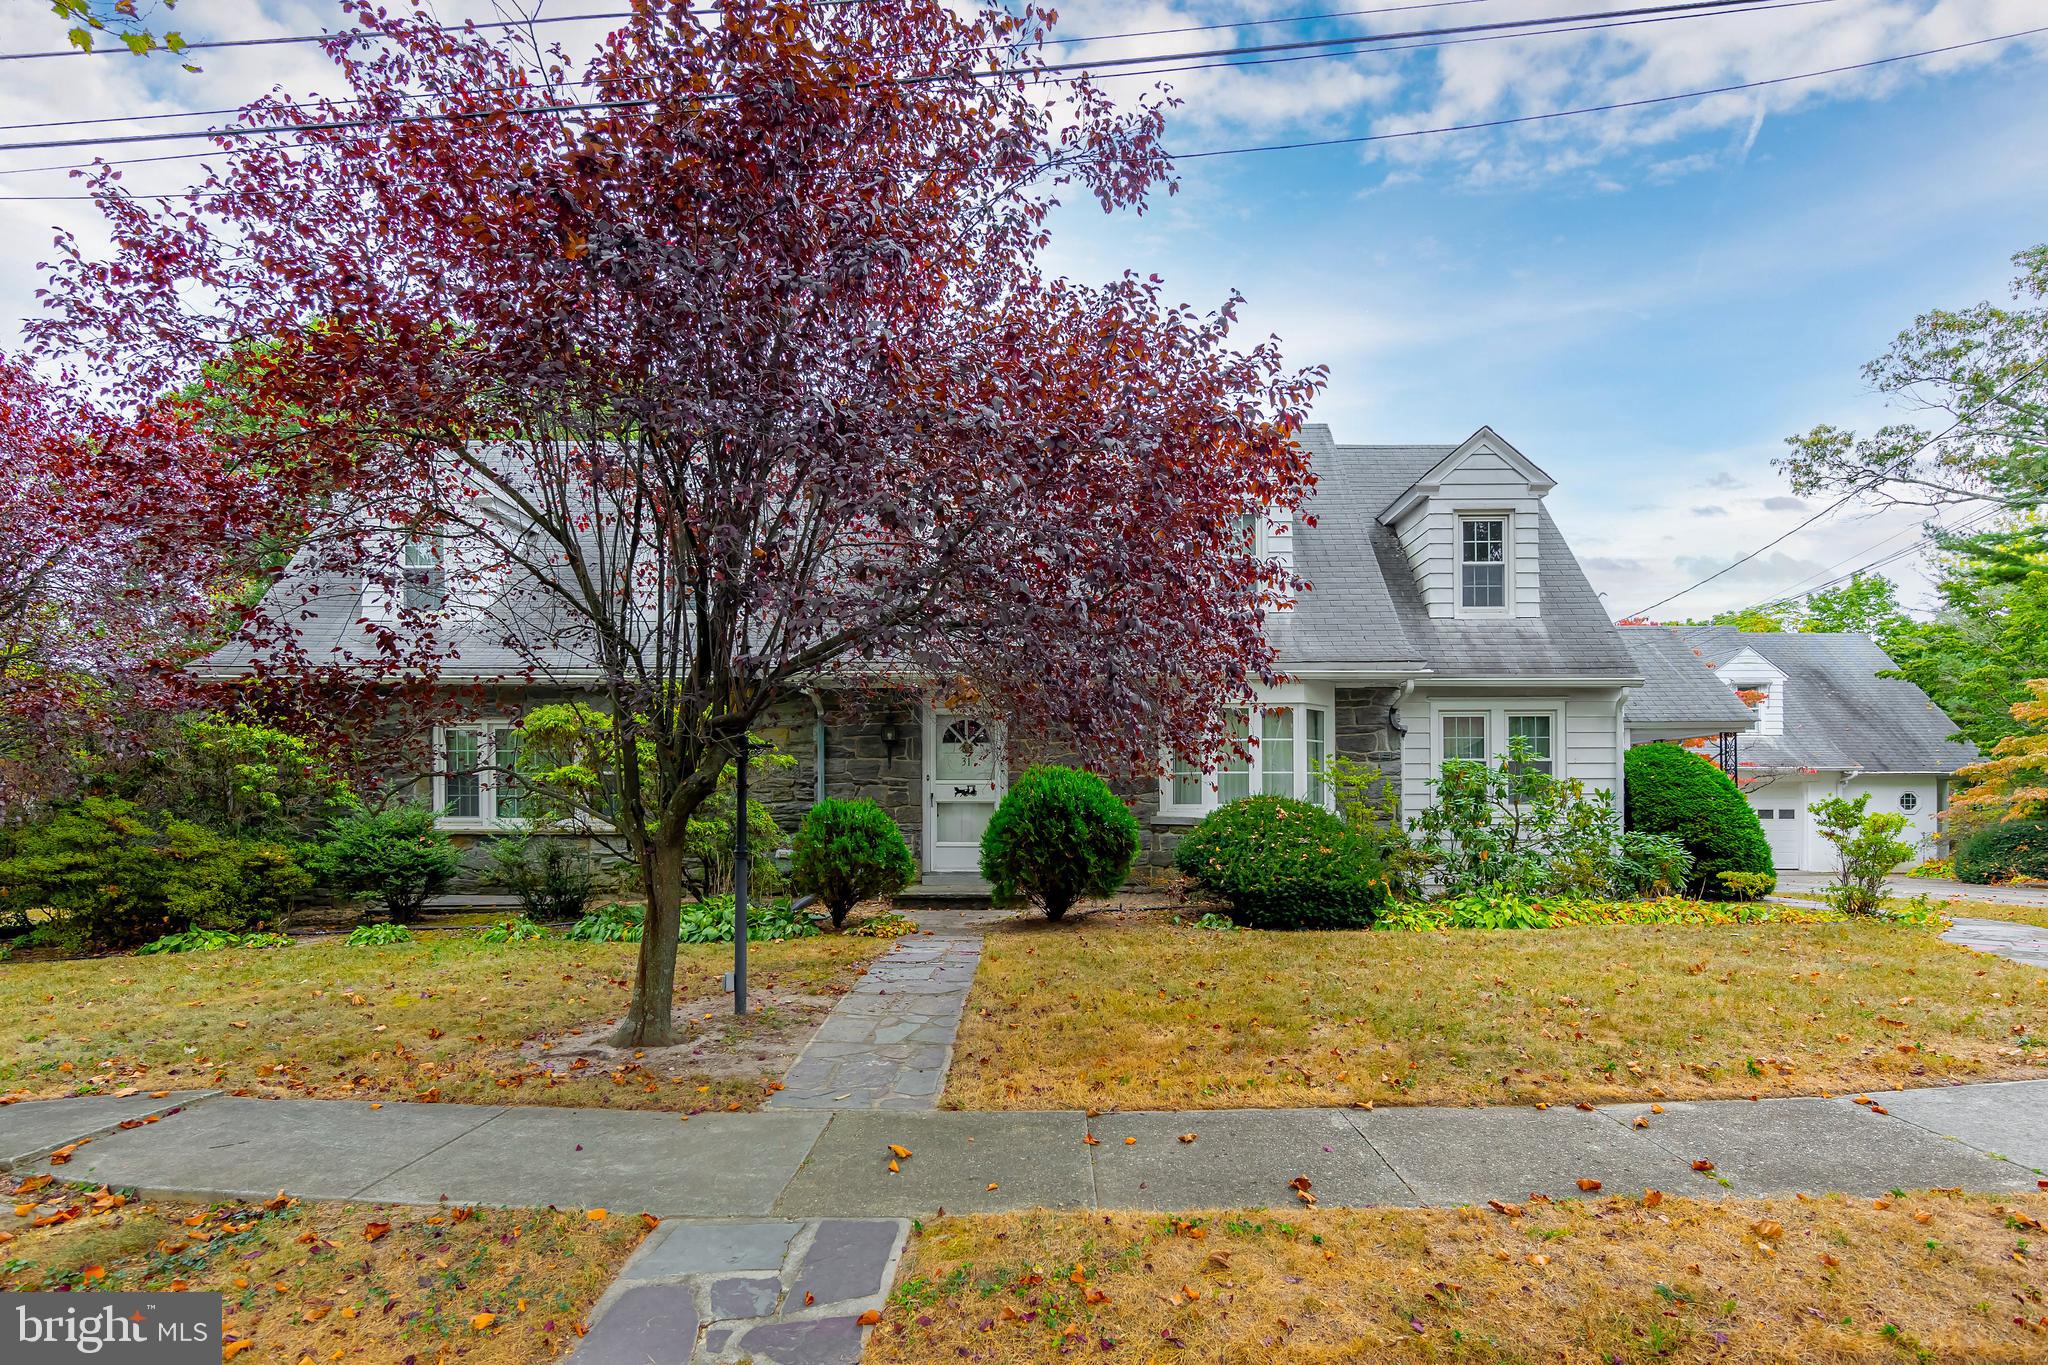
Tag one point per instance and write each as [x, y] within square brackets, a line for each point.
[396, 855]
[1059, 834]
[2004, 852]
[1285, 864]
[846, 852]
[1674, 791]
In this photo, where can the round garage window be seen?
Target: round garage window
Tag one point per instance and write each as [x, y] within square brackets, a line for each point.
[1909, 800]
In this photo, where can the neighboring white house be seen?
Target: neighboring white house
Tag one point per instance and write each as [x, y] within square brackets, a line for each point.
[1825, 724]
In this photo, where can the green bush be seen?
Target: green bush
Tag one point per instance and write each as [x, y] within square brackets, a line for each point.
[1868, 847]
[247, 780]
[1059, 834]
[2004, 852]
[395, 855]
[210, 941]
[612, 923]
[553, 878]
[1746, 886]
[521, 930]
[377, 935]
[1676, 792]
[846, 852]
[112, 876]
[710, 921]
[1284, 864]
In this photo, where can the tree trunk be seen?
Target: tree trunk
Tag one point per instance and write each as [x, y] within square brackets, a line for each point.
[649, 1020]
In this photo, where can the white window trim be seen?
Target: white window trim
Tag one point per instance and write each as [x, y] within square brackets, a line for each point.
[1506, 517]
[1496, 713]
[1299, 700]
[487, 729]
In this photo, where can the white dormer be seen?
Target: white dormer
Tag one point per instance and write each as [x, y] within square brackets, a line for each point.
[1271, 534]
[1761, 685]
[1470, 527]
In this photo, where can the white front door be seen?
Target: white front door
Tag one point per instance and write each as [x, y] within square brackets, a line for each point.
[963, 781]
[1781, 810]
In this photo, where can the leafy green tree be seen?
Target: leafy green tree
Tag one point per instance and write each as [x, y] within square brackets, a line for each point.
[1989, 636]
[248, 780]
[1868, 603]
[570, 770]
[124, 21]
[1868, 845]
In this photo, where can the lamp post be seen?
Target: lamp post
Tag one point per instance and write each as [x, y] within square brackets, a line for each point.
[742, 858]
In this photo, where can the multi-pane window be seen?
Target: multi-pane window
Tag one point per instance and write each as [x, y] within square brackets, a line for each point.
[1234, 774]
[1465, 738]
[1276, 751]
[1283, 756]
[1318, 751]
[1536, 731]
[422, 586]
[1482, 563]
[475, 777]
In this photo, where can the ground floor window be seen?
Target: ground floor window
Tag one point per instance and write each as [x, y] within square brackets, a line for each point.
[1286, 747]
[473, 782]
[1484, 734]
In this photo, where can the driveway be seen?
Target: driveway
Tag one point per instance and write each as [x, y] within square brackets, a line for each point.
[1809, 885]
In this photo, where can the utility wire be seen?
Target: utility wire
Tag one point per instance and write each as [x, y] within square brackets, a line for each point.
[1860, 488]
[1608, 108]
[1211, 66]
[1180, 156]
[1039, 71]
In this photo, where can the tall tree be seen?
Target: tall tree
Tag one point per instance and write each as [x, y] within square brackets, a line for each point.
[752, 375]
[124, 540]
[1867, 603]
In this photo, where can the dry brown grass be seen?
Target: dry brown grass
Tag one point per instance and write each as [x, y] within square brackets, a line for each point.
[1977, 909]
[1153, 1016]
[1931, 1276]
[307, 1281]
[440, 1019]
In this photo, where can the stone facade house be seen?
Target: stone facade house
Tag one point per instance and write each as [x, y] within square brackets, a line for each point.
[1446, 616]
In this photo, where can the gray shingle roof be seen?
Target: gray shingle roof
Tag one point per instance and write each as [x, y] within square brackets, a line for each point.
[1366, 609]
[1678, 687]
[1839, 714]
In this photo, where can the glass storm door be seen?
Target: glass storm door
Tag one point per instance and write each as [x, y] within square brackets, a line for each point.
[963, 781]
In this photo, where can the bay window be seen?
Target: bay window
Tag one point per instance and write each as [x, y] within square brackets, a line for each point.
[1285, 748]
[473, 782]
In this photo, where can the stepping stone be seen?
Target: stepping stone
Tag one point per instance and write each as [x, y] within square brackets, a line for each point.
[847, 1260]
[690, 1247]
[745, 1297]
[811, 1341]
[647, 1323]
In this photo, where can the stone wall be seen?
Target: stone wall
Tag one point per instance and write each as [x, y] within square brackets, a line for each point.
[1365, 730]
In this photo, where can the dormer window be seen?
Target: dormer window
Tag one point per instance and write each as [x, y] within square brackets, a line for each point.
[1482, 564]
[1271, 536]
[423, 587]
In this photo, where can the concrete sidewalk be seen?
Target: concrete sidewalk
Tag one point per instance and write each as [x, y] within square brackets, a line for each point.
[818, 1165]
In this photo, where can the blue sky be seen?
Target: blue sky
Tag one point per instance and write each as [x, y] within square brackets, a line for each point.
[1645, 302]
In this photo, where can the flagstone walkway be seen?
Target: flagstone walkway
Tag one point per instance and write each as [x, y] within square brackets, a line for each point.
[888, 1042]
[2027, 943]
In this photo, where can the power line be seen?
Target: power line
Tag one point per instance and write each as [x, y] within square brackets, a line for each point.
[1608, 108]
[1864, 487]
[1968, 523]
[987, 47]
[1180, 156]
[1038, 71]
[349, 35]
[1167, 71]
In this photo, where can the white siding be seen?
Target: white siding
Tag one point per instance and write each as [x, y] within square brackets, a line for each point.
[1584, 734]
[1484, 483]
[1885, 789]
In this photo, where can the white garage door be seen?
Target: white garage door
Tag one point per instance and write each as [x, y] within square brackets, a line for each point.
[1779, 811]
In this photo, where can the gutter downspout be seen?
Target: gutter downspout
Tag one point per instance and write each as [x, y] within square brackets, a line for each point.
[817, 742]
[1621, 753]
